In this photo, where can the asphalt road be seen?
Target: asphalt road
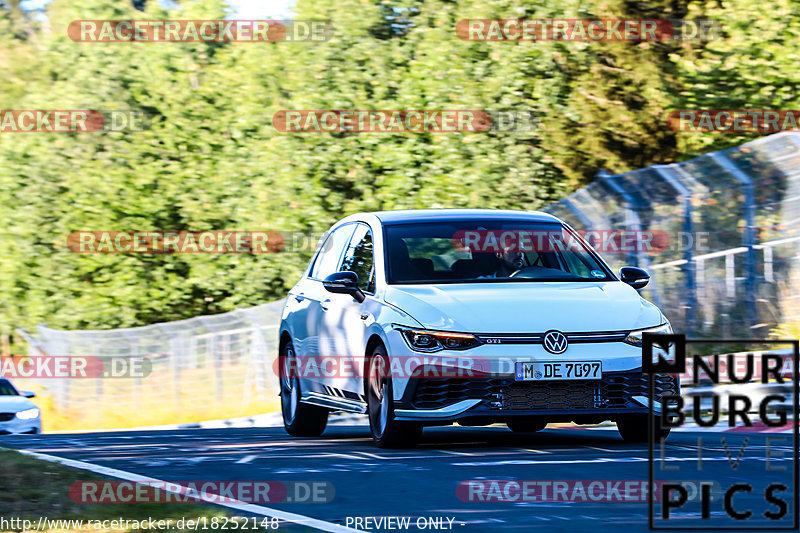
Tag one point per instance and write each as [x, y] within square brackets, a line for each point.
[421, 482]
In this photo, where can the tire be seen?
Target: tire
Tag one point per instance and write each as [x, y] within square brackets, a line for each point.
[635, 428]
[386, 431]
[299, 419]
[526, 425]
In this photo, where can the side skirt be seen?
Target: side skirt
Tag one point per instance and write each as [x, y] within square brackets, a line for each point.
[338, 403]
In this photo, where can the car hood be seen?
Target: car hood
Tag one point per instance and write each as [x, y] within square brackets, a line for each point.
[525, 307]
[13, 404]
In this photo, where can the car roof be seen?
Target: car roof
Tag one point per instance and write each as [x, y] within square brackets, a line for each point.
[430, 215]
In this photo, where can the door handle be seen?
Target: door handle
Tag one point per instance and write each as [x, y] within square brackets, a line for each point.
[299, 297]
[324, 304]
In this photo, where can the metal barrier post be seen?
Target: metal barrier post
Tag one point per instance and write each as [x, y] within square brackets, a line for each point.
[580, 215]
[749, 235]
[674, 181]
[631, 205]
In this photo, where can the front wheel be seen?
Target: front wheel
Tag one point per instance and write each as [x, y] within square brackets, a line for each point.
[386, 431]
[299, 419]
[636, 428]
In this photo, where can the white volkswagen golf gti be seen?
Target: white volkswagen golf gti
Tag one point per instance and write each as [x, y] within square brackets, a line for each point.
[433, 317]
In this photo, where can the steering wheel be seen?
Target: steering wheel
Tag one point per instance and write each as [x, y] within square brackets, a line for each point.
[530, 272]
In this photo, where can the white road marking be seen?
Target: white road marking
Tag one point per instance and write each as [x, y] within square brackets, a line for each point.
[246, 459]
[599, 449]
[608, 460]
[111, 448]
[145, 462]
[451, 452]
[372, 455]
[238, 505]
[339, 456]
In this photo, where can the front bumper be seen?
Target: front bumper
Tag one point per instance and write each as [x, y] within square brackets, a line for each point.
[16, 426]
[499, 397]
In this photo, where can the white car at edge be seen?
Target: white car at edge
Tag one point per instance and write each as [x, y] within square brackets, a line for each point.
[17, 413]
[395, 305]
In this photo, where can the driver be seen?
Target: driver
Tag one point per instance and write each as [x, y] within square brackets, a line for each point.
[509, 262]
[500, 264]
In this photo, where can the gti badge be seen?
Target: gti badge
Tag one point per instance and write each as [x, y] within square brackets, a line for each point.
[555, 342]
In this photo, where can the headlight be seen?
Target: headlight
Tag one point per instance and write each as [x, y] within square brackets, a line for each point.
[28, 414]
[423, 340]
[635, 337]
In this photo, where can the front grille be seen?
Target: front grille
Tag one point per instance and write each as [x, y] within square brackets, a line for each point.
[537, 338]
[5, 417]
[614, 391]
[555, 395]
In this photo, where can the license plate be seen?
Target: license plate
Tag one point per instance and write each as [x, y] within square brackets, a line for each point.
[555, 370]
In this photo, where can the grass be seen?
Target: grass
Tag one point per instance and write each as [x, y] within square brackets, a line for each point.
[31, 488]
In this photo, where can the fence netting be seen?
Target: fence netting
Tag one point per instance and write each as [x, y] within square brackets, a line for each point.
[224, 359]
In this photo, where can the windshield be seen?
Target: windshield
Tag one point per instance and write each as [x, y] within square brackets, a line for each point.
[488, 251]
[6, 389]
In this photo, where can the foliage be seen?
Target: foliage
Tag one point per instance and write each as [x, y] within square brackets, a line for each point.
[211, 159]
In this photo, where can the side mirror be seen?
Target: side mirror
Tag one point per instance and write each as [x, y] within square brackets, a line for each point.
[28, 394]
[344, 283]
[635, 277]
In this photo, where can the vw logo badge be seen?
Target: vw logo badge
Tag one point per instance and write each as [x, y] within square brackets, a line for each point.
[555, 342]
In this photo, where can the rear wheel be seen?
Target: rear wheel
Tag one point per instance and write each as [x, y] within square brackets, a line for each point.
[526, 425]
[299, 419]
[636, 428]
[386, 431]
